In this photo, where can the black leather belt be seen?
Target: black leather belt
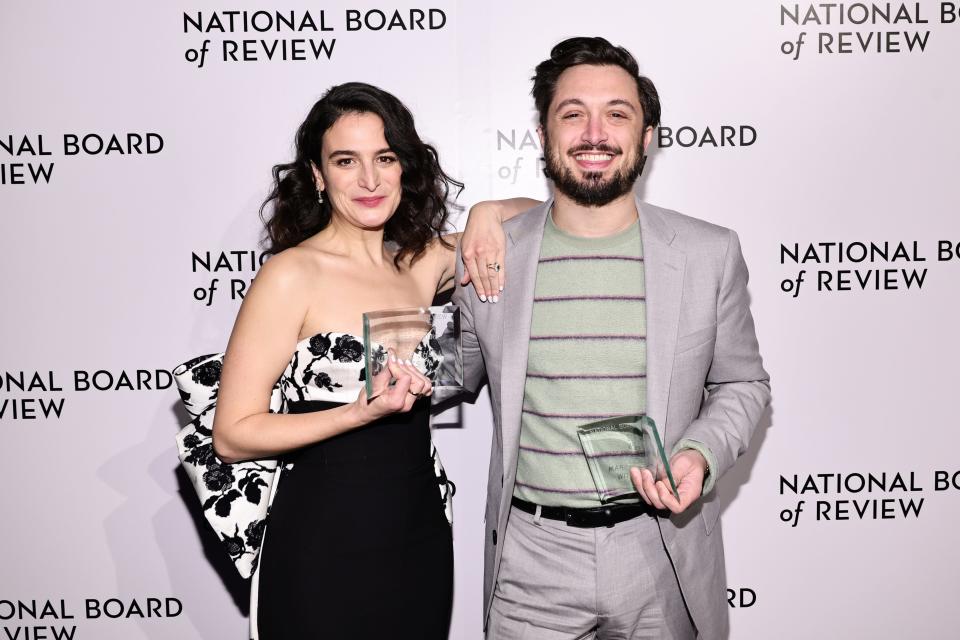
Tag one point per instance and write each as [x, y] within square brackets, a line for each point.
[588, 518]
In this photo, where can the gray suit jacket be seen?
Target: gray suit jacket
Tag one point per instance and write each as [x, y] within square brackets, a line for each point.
[705, 378]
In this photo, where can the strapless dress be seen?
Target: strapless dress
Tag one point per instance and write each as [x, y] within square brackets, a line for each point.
[356, 544]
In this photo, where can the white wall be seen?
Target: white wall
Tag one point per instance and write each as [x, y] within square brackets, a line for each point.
[97, 274]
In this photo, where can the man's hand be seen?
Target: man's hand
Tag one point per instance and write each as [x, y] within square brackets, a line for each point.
[689, 469]
[482, 248]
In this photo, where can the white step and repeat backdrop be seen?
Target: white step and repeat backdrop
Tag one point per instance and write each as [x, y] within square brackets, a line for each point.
[136, 140]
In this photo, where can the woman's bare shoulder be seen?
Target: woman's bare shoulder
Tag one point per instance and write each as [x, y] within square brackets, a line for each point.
[447, 243]
[292, 268]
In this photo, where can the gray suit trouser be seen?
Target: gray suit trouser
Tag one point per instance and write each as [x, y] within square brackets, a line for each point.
[558, 582]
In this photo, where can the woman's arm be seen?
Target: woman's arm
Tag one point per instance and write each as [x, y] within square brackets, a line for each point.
[263, 340]
[483, 243]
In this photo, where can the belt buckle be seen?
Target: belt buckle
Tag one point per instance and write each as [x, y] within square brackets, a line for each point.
[609, 517]
[590, 518]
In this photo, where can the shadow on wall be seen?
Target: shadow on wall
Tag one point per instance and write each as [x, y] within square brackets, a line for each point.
[739, 475]
[213, 550]
[149, 542]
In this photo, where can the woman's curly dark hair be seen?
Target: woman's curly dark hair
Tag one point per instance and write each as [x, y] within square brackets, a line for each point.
[425, 187]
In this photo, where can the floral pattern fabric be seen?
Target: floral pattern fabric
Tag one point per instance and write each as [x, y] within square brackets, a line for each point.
[236, 497]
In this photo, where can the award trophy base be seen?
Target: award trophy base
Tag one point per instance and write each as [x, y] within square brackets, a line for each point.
[613, 446]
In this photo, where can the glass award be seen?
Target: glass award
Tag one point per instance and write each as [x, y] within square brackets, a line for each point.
[613, 446]
[429, 337]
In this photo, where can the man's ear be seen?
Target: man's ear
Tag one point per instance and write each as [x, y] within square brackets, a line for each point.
[540, 134]
[647, 136]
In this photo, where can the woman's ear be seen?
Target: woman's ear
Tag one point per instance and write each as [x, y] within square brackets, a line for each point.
[317, 177]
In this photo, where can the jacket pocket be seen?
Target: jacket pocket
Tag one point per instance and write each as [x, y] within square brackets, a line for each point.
[696, 339]
[710, 514]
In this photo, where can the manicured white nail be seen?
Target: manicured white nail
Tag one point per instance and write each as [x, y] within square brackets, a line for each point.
[483, 298]
[496, 298]
[501, 287]
[393, 358]
[408, 363]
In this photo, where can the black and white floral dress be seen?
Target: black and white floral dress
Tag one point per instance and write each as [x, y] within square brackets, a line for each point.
[357, 544]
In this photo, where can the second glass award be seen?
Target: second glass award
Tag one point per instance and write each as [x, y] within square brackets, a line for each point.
[613, 446]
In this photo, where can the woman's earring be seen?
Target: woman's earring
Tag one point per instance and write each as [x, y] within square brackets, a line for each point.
[319, 195]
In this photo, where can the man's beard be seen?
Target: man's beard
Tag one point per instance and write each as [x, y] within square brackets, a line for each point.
[592, 190]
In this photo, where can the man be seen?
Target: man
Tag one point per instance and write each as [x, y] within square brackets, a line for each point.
[614, 307]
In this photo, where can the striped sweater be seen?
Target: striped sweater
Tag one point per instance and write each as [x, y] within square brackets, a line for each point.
[587, 358]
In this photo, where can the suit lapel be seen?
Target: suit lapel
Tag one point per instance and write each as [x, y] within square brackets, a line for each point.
[524, 241]
[663, 274]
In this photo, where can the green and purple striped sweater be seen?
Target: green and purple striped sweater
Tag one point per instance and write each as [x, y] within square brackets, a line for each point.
[587, 358]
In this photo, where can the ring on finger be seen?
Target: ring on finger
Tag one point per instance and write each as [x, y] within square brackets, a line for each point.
[494, 266]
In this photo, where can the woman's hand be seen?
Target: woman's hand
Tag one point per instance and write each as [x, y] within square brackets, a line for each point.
[482, 250]
[410, 385]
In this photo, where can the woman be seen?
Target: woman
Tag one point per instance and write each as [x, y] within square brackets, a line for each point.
[357, 544]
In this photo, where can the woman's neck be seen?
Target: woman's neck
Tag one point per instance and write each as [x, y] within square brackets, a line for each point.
[356, 243]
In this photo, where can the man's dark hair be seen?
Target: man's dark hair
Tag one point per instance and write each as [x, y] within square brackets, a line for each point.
[596, 51]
